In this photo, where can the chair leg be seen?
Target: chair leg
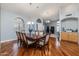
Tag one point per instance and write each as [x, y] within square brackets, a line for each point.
[18, 42]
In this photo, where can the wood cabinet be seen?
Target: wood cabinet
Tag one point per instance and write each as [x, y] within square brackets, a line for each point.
[69, 36]
[64, 35]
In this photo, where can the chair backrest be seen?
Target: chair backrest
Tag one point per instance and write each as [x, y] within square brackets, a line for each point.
[47, 38]
[21, 36]
[24, 37]
[18, 35]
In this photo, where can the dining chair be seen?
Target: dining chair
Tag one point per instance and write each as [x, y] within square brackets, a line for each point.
[27, 41]
[42, 41]
[22, 39]
[18, 37]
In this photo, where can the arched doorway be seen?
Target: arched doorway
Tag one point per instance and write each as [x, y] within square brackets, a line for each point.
[20, 24]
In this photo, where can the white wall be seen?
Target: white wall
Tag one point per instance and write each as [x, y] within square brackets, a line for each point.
[7, 25]
[70, 9]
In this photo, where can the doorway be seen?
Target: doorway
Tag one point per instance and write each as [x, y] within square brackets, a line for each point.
[52, 30]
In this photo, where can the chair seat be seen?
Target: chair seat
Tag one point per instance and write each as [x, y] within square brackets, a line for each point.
[41, 43]
[30, 42]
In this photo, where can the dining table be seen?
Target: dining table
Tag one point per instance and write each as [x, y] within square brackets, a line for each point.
[35, 38]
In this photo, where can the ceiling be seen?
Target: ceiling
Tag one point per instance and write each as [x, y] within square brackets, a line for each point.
[44, 10]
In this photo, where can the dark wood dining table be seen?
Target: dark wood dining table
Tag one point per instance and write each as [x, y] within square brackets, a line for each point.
[35, 37]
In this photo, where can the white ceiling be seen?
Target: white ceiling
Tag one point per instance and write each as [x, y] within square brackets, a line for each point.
[45, 10]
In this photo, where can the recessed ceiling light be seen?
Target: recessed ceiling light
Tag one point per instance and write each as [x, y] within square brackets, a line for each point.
[37, 7]
[47, 21]
[30, 4]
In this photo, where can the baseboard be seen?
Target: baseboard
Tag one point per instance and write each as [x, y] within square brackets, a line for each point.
[8, 40]
[70, 41]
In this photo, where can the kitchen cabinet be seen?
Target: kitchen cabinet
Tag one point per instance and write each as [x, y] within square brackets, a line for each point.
[69, 36]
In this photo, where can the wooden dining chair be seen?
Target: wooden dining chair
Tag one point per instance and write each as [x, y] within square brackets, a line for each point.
[43, 41]
[22, 39]
[40, 42]
[18, 38]
[26, 41]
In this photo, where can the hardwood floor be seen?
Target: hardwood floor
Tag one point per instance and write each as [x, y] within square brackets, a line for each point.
[66, 49]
